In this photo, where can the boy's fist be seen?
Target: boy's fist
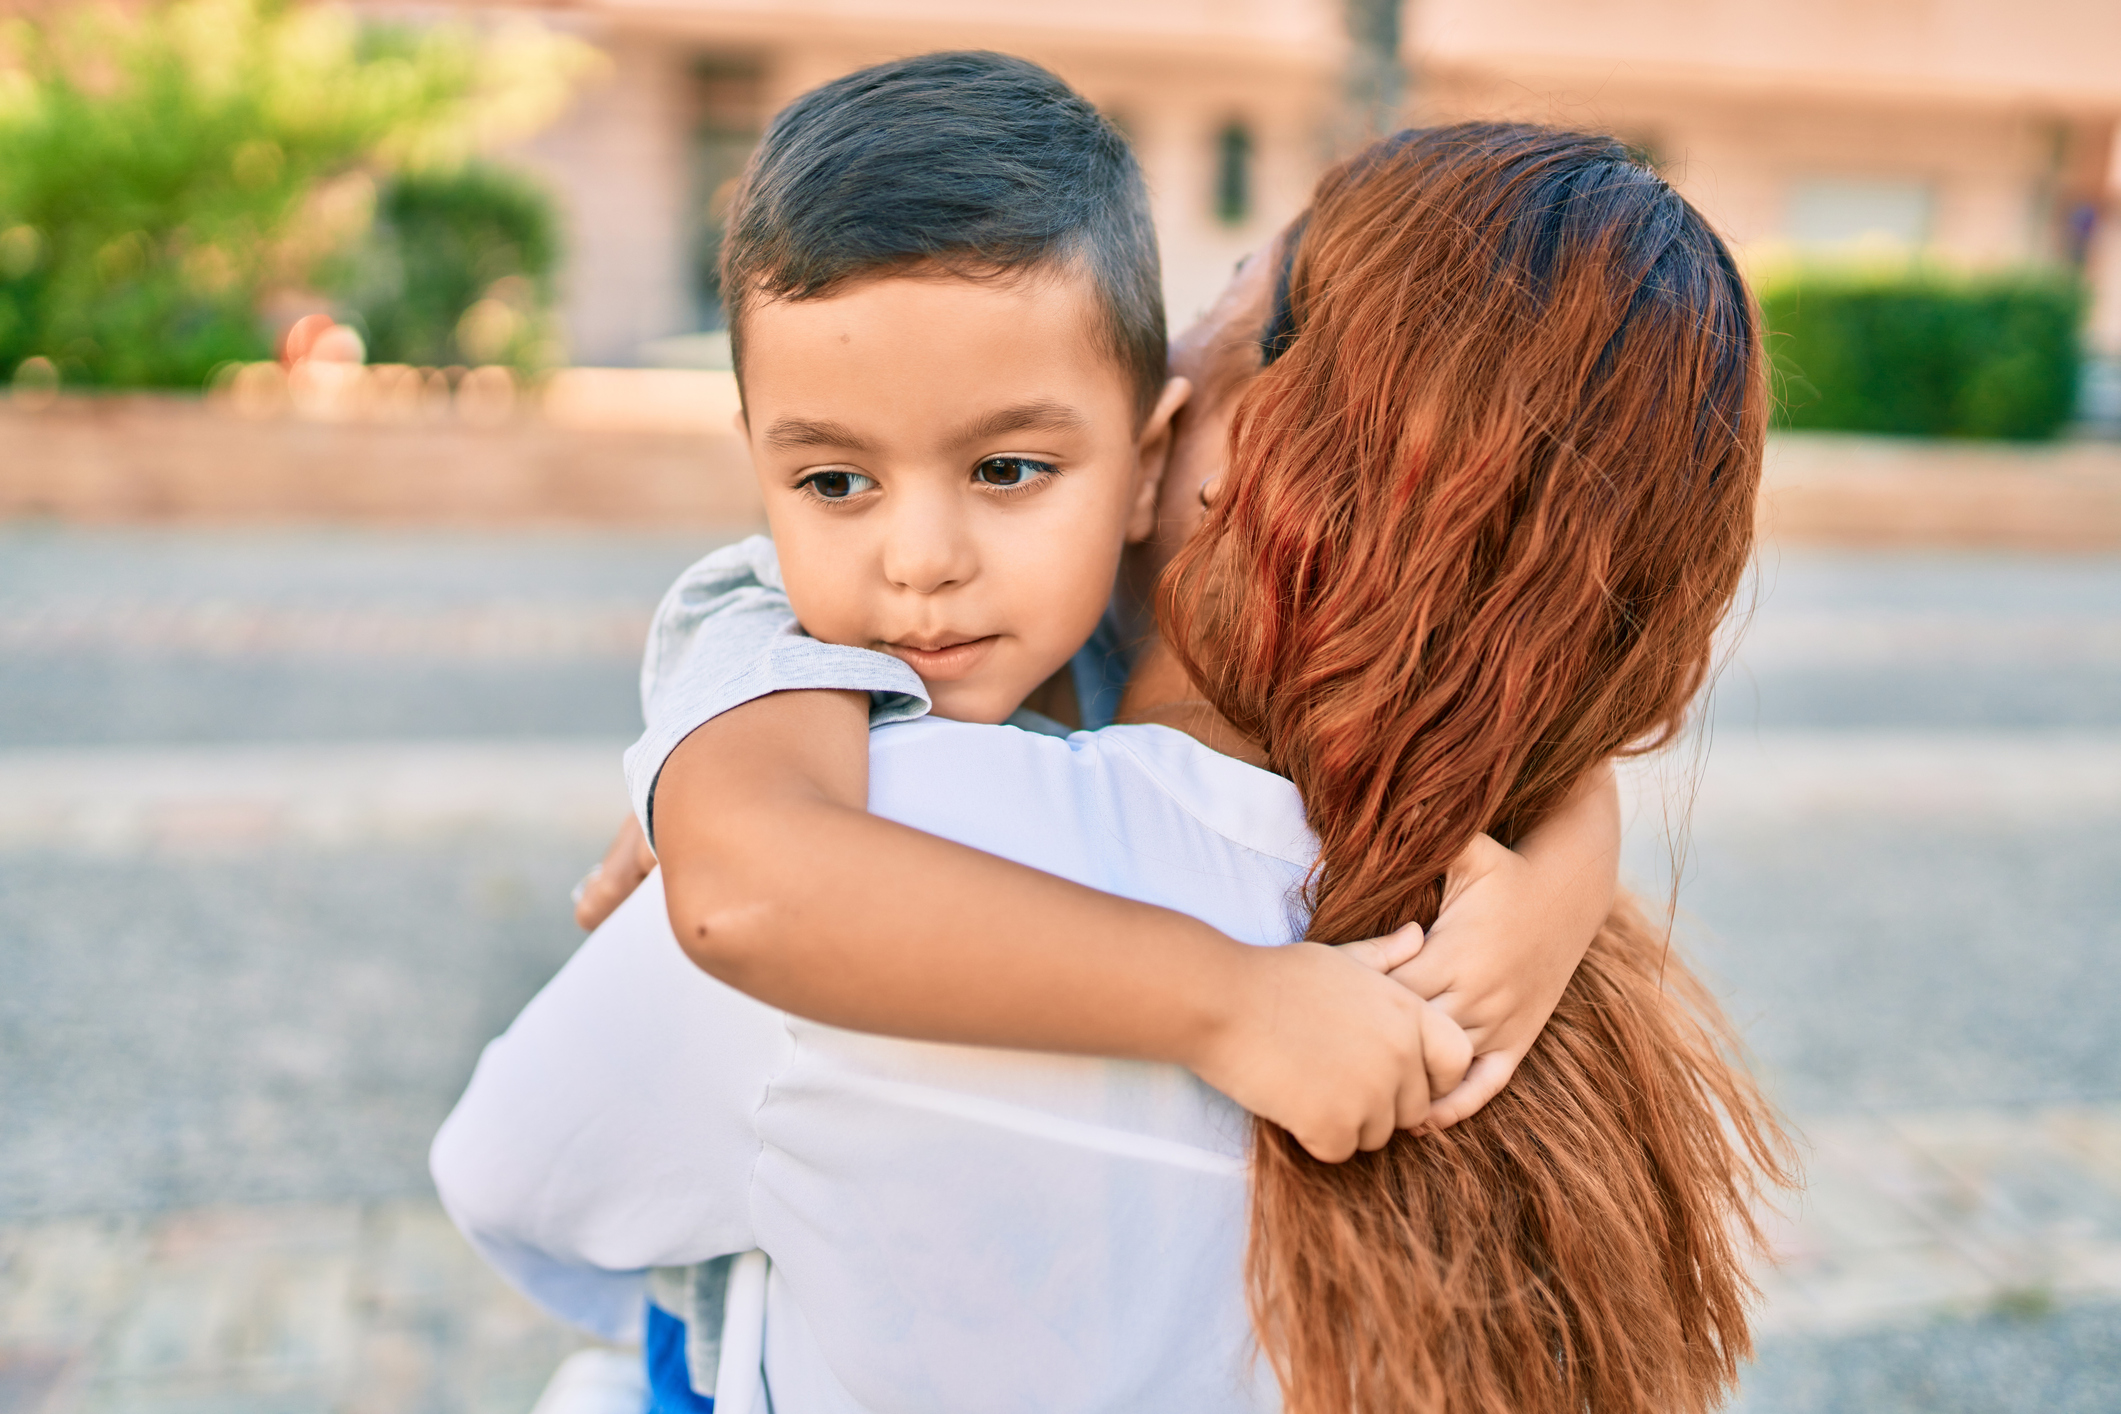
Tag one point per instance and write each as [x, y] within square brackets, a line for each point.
[1323, 1044]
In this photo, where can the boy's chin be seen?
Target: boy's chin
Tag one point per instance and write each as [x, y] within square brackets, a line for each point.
[982, 705]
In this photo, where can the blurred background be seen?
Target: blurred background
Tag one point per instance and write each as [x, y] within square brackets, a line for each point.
[365, 384]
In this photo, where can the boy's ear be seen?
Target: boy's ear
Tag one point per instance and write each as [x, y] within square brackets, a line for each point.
[1152, 453]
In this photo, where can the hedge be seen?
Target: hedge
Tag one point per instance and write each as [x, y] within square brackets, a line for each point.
[458, 268]
[1925, 353]
[166, 167]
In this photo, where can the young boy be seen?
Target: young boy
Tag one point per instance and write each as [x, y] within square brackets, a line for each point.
[942, 287]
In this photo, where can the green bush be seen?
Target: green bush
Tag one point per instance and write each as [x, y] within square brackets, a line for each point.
[458, 269]
[165, 168]
[1925, 353]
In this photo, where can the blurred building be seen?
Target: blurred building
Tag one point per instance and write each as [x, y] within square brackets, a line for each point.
[1980, 132]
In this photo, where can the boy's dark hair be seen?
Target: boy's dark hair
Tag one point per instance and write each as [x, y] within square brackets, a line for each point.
[979, 163]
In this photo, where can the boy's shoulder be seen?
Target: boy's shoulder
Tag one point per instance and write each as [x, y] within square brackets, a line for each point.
[750, 562]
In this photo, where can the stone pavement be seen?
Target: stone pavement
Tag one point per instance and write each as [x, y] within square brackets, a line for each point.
[1913, 1214]
[373, 1308]
[1998, 1220]
[287, 822]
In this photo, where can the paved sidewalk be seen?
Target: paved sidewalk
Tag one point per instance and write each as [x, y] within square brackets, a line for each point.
[372, 1308]
[287, 823]
[1912, 1223]
[1908, 1217]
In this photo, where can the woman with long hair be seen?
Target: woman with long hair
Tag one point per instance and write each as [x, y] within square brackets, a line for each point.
[1495, 412]
[1486, 506]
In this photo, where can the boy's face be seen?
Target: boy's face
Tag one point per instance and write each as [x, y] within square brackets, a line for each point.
[950, 469]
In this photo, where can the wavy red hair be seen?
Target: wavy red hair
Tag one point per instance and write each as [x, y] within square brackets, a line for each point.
[1484, 512]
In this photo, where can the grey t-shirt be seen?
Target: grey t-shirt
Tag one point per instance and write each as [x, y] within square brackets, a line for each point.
[725, 634]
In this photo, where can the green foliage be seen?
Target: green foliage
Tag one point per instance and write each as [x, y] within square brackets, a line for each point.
[458, 269]
[164, 169]
[1925, 353]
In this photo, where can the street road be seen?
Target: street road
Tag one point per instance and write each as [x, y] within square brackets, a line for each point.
[287, 822]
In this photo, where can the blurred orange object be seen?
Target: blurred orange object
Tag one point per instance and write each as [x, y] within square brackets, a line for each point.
[319, 338]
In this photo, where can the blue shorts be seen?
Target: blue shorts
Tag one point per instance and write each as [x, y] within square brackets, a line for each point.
[669, 1377]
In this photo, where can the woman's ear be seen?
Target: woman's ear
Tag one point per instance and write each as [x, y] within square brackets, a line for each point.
[1152, 453]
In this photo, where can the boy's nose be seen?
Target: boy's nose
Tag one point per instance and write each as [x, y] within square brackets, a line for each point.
[928, 550]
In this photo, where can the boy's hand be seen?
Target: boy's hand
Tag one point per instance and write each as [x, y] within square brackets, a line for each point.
[1500, 955]
[1513, 927]
[1323, 1044]
[609, 884]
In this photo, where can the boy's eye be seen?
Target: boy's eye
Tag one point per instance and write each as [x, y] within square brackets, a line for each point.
[836, 485]
[1006, 472]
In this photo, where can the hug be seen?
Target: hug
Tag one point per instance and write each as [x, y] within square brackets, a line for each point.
[1135, 921]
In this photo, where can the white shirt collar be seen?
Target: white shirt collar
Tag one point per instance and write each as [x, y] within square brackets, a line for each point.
[1242, 803]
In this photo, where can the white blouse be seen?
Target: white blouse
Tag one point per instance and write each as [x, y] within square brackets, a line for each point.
[951, 1228]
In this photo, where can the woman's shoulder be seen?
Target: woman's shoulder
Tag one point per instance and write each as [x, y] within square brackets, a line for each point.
[1106, 784]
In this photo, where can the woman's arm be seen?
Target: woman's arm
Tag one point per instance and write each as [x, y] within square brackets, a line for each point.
[781, 884]
[609, 1129]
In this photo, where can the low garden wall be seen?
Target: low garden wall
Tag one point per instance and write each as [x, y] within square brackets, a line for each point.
[652, 448]
[616, 447]
[1843, 489]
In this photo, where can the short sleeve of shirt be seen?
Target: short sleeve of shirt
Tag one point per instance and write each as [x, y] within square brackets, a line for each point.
[724, 635]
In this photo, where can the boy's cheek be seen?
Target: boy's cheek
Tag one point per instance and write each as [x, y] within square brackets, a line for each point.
[822, 601]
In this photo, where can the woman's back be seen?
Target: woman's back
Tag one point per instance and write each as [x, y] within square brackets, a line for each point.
[956, 1228]
[951, 1228]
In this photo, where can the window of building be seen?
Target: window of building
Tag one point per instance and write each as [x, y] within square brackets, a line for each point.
[728, 96]
[1834, 211]
[1233, 174]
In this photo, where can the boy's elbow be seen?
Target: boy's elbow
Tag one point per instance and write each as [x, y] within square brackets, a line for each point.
[724, 937]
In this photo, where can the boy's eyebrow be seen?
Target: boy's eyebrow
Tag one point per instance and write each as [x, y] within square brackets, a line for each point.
[791, 432]
[1039, 415]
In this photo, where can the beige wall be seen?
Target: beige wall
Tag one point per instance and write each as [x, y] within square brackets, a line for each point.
[2000, 116]
[2050, 54]
[1991, 176]
[618, 164]
[1160, 31]
[1992, 119]
[1175, 121]
[1174, 71]
[2104, 332]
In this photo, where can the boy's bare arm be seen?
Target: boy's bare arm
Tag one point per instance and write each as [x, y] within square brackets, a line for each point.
[781, 884]
[1514, 926]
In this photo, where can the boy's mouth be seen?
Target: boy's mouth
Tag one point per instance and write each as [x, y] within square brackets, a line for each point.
[943, 660]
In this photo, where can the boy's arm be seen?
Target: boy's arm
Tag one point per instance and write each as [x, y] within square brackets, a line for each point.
[1514, 926]
[725, 635]
[781, 884]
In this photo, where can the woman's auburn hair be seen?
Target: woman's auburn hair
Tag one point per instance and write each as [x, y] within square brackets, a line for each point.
[1484, 512]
